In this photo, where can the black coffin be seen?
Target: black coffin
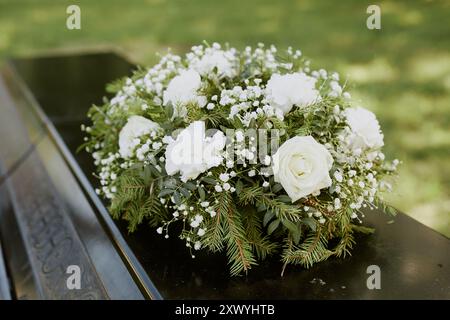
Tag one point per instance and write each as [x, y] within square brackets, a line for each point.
[51, 218]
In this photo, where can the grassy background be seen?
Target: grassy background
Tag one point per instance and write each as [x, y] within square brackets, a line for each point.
[402, 72]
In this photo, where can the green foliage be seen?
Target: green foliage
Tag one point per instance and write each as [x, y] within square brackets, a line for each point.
[239, 249]
[136, 201]
[261, 245]
[213, 119]
[227, 228]
[313, 249]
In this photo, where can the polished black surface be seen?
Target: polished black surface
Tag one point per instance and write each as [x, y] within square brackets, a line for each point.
[414, 260]
[5, 292]
[47, 223]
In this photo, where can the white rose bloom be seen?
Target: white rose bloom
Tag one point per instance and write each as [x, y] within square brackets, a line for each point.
[301, 165]
[285, 91]
[135, 127]
[183, 89]
[222, 60]
[365, 128]
[192, 153]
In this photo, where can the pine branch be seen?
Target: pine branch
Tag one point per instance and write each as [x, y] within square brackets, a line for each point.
[345, 234]
[129, 189]
[347, 240]
[215, 235]
[256, 195]
[239, 250]
[135, 201]
[154, 211]
[342, 249]
[260, 244]
[312, 250]
[134, 215]
[250, 195]
[214, 118]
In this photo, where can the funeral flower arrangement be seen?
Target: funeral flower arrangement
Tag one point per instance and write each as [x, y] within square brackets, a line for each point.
[250, 152]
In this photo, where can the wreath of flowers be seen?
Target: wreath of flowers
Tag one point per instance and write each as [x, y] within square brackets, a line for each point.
[253, 153]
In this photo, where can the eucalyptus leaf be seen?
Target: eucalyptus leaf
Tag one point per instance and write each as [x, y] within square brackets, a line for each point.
[239, 187]
[272, 226]
[290, 226]
[201, 193]
[310, 222]
[277, 187]
[267, 217]
[260, 207]
[296, 236]
[177, 198]
[169, 111]
[170, 183]
[284, 198]
[154, 171]
[147, 175]
[185, 192]
[165, 192]
[191, 186]
[209, 180]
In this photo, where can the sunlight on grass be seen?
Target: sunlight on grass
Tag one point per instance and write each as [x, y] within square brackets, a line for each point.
[7, 34]
[378, 69]
[430, 66]
[439, 221]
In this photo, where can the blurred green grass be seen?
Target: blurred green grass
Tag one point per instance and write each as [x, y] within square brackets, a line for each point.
[402, 72]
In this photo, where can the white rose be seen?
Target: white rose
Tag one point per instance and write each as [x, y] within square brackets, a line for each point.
[365, 128]
[182, 90]
[222, 60]
[285, 91]
[135, 127]
[301, 165]
[192, 153]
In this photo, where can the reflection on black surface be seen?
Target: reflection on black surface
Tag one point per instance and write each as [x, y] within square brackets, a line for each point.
[414, 260]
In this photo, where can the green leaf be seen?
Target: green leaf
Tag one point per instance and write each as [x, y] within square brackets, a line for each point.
[165, 192]
[201, 193]
[177, 198]
[260, 207]
[277, 187]
[209, 180]
[152, 160]
[239, 187]
[191, 186]
[154, 171]
[290, 225]
[362, 229]
[185, 193]
[391, 211]
[310, 222]
[267, 217]
[296, 236]
[302, 131]
[169, 111]
[284, 198]
[146, 174]
[170, 183]
[272, 226]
